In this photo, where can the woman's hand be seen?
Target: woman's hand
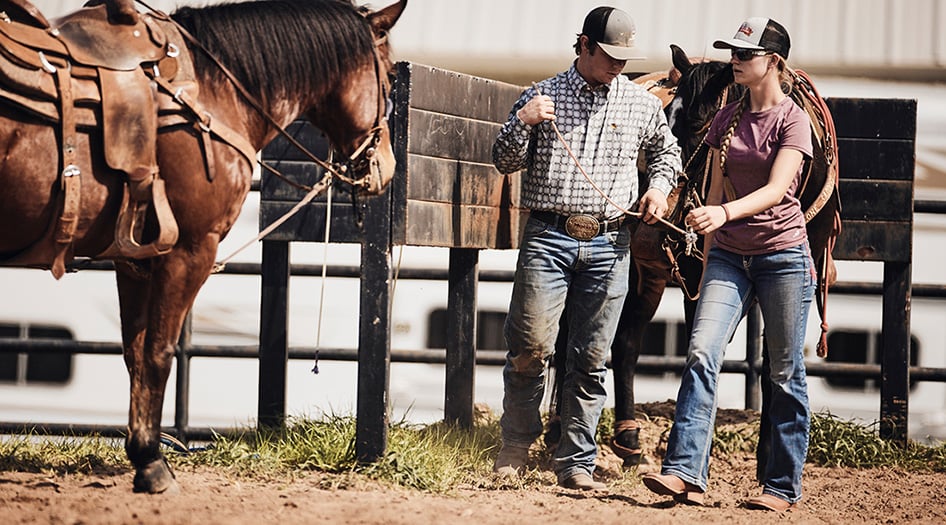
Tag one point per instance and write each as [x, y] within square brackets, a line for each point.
[707, 219]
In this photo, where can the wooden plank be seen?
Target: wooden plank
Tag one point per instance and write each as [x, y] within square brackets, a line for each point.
[876, 200]
[876, 159]
[428, 224]
[308, 224]
[400, 135]
[515, 188]
[442, 91]
[874, 118]
[451, 137]
[875, 241]
[451, 226]
[309, 136]
[374, 333]
[445, 180]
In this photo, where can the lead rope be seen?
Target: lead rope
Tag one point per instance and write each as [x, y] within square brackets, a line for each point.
[620, 208]
[328, 229]
[318, 188]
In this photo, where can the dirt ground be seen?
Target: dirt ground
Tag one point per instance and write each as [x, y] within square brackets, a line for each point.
[832, 495]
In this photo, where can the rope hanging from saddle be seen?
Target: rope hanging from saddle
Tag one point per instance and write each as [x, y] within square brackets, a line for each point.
[807, 97]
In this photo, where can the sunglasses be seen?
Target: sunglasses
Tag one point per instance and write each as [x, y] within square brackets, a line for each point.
[748, 54]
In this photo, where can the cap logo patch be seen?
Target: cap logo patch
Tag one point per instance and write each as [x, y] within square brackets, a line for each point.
[745, 29]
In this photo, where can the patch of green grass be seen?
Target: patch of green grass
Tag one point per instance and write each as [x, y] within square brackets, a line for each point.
[30, 453]
[735, 439]
[434, 458]
[842, 443]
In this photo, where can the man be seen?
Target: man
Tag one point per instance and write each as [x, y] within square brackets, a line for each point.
[575, 247]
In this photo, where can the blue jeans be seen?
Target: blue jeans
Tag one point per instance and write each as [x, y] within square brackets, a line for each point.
[591, 276]
[783, 282]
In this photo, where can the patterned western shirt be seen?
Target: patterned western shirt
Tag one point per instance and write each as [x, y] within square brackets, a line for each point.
[605, 128]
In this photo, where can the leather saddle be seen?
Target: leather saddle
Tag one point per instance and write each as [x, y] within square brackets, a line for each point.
[84, 71]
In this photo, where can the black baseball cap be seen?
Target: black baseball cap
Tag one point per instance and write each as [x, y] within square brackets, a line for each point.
[613, 30]
[759, 33]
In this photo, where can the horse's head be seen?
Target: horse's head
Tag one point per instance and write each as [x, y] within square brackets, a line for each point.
[703, 88]
[356, 119]
[325, 59]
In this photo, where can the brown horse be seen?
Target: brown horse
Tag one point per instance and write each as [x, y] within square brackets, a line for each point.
[237, 73]
[692, 92]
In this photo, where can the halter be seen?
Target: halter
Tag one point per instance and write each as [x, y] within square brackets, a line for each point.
[364, 155]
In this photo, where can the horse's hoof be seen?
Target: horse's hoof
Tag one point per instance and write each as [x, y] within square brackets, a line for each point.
[632, 461]
[156, 478]
[626, 442]
[554, 433]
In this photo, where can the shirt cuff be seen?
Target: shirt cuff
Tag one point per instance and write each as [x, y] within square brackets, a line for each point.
[661, 183]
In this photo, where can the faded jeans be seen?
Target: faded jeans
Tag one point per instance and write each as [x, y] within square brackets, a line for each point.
[783, 282]
[592, 277]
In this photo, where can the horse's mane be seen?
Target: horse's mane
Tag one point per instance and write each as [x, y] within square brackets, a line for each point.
[279, 46]
[699, 91]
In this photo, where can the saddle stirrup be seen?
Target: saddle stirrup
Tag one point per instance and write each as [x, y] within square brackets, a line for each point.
[130, 226]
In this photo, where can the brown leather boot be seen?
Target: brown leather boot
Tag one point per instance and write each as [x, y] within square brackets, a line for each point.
[582, 481]
[670, 485]
[511, 461]
[769, 502]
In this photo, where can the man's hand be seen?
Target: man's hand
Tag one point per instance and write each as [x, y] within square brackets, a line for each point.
[653, 205]
[537, 110]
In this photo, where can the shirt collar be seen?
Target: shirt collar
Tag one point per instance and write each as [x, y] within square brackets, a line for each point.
[578, 84]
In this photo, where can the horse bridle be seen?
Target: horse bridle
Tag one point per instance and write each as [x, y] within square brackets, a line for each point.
[364, 156]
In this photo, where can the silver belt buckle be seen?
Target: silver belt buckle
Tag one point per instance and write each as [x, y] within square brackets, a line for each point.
[582, 227]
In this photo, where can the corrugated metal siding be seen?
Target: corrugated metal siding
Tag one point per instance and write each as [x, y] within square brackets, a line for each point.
[892, 38]
[534, 37]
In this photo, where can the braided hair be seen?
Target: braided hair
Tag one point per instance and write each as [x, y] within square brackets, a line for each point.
[730, 130]
[786, 82]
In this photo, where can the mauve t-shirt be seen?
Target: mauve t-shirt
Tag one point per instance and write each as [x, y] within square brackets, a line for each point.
[755, 143]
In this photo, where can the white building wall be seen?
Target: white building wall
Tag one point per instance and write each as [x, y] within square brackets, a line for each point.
[521, 40]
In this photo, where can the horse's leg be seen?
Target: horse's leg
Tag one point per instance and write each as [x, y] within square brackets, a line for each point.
[648, 282]
[153, 306]
[142, 442]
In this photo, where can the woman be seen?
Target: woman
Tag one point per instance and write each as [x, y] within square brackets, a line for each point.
[759, 252]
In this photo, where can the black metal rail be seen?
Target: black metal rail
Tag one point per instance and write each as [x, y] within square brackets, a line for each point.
[186, 350]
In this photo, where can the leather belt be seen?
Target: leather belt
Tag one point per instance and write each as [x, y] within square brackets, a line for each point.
[581, 227]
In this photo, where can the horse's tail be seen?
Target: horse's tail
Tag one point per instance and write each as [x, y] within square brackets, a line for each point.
[807, 97]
